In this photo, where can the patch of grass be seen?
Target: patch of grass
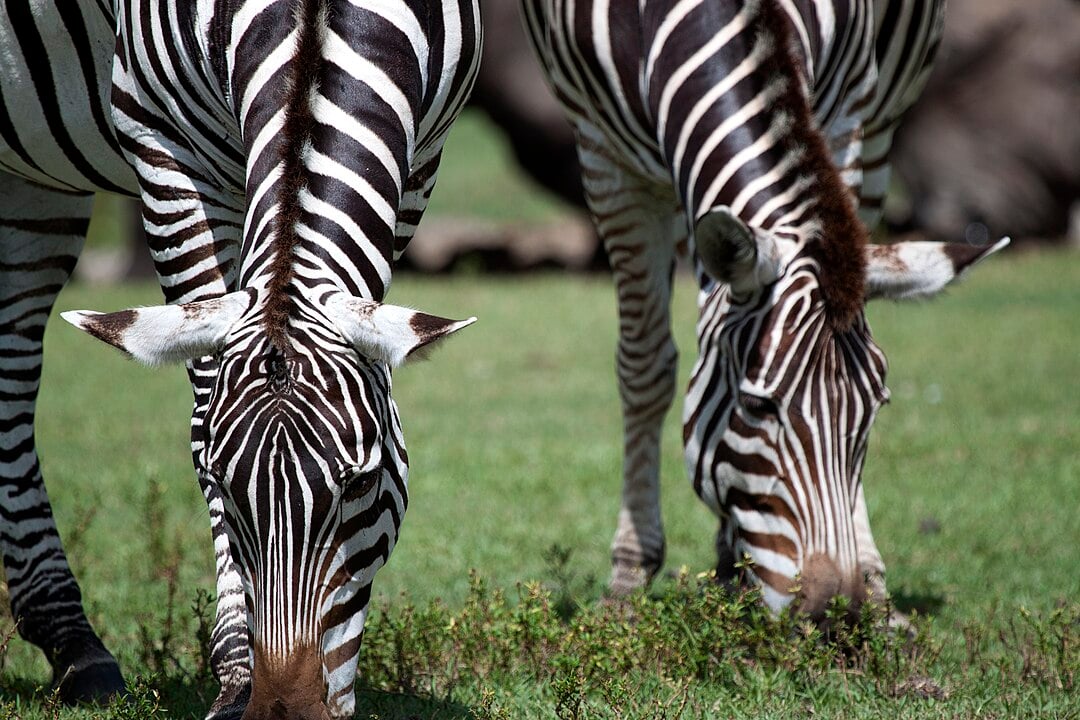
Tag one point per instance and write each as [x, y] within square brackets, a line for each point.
[515, 440]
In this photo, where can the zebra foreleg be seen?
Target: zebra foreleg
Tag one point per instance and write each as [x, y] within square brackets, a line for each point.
[230, 643]
[641, 238]
[871, 565]
[647, 360]
[230, 655]
[41, 234]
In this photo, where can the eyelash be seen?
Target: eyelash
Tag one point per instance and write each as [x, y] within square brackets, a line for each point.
[757, 405]
[360, 484]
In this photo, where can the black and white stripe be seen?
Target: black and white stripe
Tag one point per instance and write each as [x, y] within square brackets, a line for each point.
[745, 132]
[284, 152]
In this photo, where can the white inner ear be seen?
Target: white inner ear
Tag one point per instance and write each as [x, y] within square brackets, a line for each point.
[388, 333]
[914, 270]
[166, 334]
[906, 271]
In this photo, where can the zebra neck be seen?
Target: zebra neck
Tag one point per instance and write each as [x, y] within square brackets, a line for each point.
[327, 158]
[738, 131]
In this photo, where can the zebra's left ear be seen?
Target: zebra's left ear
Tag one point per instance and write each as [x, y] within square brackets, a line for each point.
[166, 333]
[913, 270]
[733, 253]
[389, 333]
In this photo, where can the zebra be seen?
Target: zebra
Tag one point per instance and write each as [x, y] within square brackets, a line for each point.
[751, 135]
[284, 152]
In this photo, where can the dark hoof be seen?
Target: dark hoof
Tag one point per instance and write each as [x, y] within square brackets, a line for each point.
[93, 678]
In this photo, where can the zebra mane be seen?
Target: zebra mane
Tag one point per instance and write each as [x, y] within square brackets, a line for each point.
[840, 245]
[296, 133]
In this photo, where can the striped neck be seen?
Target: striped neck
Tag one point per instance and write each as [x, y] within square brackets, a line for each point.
[727, 91]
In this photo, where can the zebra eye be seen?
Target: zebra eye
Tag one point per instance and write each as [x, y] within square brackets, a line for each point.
[359, 484]
[758, 405]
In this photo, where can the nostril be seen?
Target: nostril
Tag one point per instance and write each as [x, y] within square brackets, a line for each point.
[821, 580]
[278, 709]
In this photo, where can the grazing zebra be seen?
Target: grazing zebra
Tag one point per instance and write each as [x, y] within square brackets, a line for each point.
[745, 130]
[284, 152]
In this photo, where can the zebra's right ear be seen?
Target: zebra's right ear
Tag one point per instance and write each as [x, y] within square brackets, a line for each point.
[920, 269]
[390, 333]
[733, 253]
[166, 334]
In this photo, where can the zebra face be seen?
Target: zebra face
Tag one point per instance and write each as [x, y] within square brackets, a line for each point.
[777, 420]
[300, 450]
[782, 398]
[306, 452]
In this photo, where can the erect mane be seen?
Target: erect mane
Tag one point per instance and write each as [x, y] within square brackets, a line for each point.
[840, 248]
[305, 69]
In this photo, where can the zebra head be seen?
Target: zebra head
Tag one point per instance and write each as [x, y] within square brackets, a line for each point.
[782, 398]
[299, 447]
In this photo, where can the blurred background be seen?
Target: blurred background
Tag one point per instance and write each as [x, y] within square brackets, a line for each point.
[991, 149]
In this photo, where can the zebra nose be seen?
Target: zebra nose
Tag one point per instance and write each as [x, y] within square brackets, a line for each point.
[280, 710]
[822, 579]
[287, 688]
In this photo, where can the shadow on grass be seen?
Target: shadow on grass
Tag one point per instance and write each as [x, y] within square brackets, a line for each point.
[23, 690]
[183, 699]
[925, 603]
[396, 706]
[176, 698]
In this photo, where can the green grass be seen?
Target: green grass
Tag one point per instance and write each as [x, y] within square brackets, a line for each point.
[514, 437]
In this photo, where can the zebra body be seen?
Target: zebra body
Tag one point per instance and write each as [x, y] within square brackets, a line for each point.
[754, 135]
[284, 151]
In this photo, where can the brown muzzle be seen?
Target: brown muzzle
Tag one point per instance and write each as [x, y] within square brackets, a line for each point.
[289, 688]
[821, 580]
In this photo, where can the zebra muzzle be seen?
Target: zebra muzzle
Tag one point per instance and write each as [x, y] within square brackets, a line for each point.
[822, 579]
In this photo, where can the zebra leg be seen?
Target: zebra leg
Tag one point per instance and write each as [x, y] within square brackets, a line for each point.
[871, 565]
[230, 644]
[41, 234]
[230, 654]
[193, 232]
[641, 236]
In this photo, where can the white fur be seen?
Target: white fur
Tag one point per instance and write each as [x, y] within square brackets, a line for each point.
[913, 270]
[166, 334]
[384, 332]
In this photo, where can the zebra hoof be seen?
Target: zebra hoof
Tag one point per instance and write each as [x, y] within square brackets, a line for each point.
[92, 678]
[632, 569]
[627, 579]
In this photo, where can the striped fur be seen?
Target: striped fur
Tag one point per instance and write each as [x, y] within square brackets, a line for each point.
[284, 152]
[755, 132]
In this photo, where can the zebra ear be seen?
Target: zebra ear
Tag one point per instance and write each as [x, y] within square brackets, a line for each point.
[166, 333]
[389, 333]
[913, 270]
[733, 253]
